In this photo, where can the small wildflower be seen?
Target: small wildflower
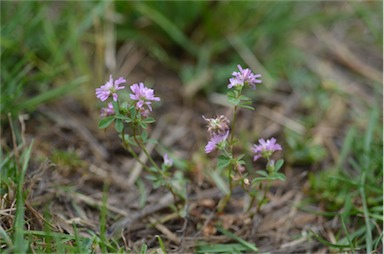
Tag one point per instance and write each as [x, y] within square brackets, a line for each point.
[265, 148]
[246, 181]
[244, 77]
[216, 140]
[110, 88]
[108, 111]
[168, 162]
[218, 125]
[143, 95]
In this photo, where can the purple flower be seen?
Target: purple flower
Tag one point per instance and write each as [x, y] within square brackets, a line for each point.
[108, 111]
[144, 112]
[244, 77]
[143, 95]
[265, 148]
[110, 88]
[168, 162]
[218, 125]
[215, 140]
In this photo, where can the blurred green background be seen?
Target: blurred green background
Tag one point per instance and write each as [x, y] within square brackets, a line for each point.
[50, 48]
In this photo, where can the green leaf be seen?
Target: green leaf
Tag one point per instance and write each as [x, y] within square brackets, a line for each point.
[279, 164]
[233, 97]
[246, 104]
[231, 94]
[149, 120]
[262, 172]
[123, 117]
[244, 98]
[105, 122]
[115, 106]
[242, 105]
[233, 101]
[223, 161]
[119, 125]
[144, 125]
[259, 179]
[144, 136]
[132, 111]
[278, 176]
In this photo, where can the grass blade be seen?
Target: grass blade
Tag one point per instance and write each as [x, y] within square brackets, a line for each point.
[220, 183]
[103, 220]
[250, 246]
[21, 244]
[54, 93]
[329, 244]
[161, 243]
[173, 31]
[221, 248]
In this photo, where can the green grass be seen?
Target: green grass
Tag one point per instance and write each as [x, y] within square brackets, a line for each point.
[48, 50]
[353, 189]
[40, 53]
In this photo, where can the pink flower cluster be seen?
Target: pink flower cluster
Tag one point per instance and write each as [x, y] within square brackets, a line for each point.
[218, 129]
[244, 77]
[110, 88]
[143, 95]
[108, 111]
[265, 148]
[215, 141]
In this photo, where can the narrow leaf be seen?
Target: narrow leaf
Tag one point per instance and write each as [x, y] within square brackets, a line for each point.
[250, 246]
[279, 164]
[223, 161]
[119, 125]
[105, 122]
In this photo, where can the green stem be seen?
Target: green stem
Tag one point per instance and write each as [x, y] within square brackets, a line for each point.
[224, 200]
[233, 128]
[253, 199]
[132, 152]
[156, 166]
[230, 181]
[145, 150]
[266, 189]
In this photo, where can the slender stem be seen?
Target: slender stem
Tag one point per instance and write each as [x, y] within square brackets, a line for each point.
[253, 198]
[266, 189]
[231, 147]
[155, 165]
[225, 199]
[132, 152]
[230, 180]
[233, 128]
[144, 150]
